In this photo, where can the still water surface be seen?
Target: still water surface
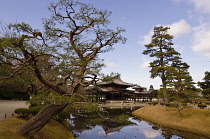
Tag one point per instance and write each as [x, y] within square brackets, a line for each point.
[97, 128]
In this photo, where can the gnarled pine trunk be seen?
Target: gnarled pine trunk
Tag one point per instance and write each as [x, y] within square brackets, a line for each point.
[37, 122]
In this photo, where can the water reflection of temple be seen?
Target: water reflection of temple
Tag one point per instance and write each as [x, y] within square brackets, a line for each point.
[108, 130]
[119, 90]
[80, 124]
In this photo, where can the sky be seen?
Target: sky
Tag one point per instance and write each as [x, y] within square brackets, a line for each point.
[189, 22]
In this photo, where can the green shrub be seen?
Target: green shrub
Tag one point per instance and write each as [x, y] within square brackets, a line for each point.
[207, 102]
[173, 104]
[177, 104]
[154, 103]
[184, 104]
[162, 104]
[202, 106]
[167, 105]
[63, 115]
[22, 112]
[35, 110]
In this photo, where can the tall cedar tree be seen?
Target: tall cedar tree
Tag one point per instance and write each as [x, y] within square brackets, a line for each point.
[161, 49]
[73, 38]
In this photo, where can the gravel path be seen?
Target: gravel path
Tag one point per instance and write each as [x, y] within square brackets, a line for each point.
[8, 106]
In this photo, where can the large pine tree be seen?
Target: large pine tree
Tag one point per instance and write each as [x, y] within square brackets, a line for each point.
[69, 46]
[161, 48]
[167, 65]
[205, 85]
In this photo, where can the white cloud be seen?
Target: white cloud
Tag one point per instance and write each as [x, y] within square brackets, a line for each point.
[202, 5]
[201, 41]
[201, 33]
[179, 28]
[180, 48]
[146, 39]
[102, 132]
[150, 133]
[110, 65]
[145, 63]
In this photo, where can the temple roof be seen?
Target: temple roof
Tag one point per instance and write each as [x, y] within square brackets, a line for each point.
[117, 82]
[138, 87]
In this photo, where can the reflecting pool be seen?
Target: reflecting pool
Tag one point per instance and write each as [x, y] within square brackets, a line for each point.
[121, 125]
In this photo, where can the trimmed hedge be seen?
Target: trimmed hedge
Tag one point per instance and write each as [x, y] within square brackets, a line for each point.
[202, 106]
[154, 103]
[22, 112]
[25, 112]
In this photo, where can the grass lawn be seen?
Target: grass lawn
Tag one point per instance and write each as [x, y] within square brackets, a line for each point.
[53, 130]
[192, 120]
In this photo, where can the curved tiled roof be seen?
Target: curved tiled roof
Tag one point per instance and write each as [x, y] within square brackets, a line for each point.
[116, 81]
[138, 87]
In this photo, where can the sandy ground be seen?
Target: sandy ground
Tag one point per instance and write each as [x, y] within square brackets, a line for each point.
[8, 106]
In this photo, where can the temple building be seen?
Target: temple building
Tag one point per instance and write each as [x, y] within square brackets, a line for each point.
[119, 90]
[142, 94]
